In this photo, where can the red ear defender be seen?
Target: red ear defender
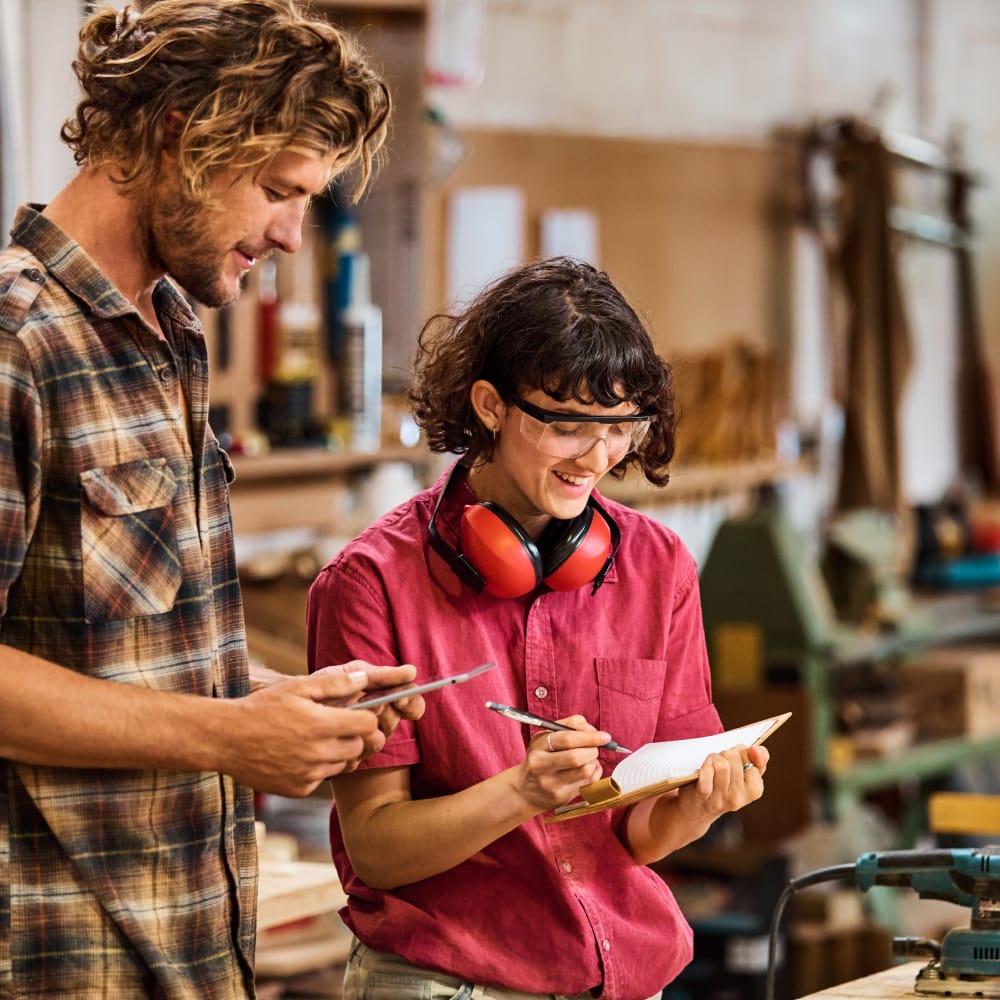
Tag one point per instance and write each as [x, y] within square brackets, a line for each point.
[576, 554]
[500, 557]
[501, 550]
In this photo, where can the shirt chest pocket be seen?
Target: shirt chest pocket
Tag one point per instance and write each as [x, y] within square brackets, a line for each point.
[629, 692]
[131, 565]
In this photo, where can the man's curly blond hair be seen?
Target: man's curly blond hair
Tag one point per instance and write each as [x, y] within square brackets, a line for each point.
[244, 79]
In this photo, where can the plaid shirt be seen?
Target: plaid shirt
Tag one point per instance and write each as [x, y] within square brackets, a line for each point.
[116, 560]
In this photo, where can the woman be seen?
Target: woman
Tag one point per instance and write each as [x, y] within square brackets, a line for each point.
[547, 382]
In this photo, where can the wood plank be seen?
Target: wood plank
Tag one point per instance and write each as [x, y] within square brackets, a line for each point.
[293, 890]
[310, 504]
[322, 463]
[964, 813]
[317, 943]
[892, 984]
[687, 230]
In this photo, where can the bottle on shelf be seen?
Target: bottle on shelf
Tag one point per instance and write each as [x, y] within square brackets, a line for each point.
[267, 320]
[361, 396]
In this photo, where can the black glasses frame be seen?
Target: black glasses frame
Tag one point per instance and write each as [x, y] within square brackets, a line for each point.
[554, 417]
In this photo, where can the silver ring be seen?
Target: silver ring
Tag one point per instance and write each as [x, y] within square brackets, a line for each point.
[747, 766]
[548, 743]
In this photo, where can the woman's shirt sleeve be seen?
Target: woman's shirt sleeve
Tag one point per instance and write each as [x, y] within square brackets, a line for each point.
[348, 618]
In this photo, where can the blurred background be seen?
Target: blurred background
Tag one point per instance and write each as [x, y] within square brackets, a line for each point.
[802, 198]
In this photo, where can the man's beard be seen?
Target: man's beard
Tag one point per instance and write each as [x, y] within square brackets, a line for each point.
[178, 241]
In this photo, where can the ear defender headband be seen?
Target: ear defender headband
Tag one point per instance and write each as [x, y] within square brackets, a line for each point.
[499, 556]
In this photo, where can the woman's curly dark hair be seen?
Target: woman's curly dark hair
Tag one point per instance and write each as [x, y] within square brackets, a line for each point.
[559, 325]
[247, 77]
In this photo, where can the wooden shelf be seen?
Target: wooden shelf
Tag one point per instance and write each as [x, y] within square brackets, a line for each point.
[362, 6]
[297, 463]
[695, 483]
[305, 488]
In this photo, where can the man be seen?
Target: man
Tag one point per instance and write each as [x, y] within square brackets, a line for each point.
[130, 740]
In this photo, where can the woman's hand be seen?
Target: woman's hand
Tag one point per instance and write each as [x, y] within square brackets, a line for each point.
[558, 765]
[656, 827]
[725, 784]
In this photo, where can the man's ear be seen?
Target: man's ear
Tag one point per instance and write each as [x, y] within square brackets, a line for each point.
[173, 128]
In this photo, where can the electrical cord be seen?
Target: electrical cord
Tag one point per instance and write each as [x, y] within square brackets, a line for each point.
[836, 873]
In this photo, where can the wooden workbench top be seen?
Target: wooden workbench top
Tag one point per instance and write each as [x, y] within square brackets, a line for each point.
[892, 984]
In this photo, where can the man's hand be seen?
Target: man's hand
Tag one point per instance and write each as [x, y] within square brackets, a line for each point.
[379, 680]
[287, 737]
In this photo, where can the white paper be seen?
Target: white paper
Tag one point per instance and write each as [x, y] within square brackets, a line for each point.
[454, 49]
[656, 762]
[570, 232]
[485, 238]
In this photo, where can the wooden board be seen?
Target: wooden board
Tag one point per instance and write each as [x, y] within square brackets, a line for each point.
[320, 942]
[892, 984]
[687, 230]
[293, 890]
[964, 813]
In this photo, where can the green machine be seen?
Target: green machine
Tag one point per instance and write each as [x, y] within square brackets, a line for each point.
[843, 627]
[776, 615]
[768, 614]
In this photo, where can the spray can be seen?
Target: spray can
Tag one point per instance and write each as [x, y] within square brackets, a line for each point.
[362, 382]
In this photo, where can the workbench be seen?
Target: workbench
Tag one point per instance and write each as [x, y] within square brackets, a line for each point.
[893, 984]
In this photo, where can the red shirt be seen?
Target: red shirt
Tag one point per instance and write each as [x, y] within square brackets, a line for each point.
[558, 908]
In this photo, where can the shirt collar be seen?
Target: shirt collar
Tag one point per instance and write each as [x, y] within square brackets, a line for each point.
[69, 264]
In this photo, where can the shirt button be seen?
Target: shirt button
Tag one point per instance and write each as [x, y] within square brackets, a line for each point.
[33, 274]
[567, 867]
[541, 692]
[606, 944]
[166, 374]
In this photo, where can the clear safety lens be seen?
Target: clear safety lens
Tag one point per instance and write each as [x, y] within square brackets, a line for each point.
[560, 438]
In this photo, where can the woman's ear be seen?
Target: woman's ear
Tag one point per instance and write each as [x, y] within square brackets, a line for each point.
[488, 404]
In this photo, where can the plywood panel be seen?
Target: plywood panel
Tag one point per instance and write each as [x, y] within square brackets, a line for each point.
[685, 230]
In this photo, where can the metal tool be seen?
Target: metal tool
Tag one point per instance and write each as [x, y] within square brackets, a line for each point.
[966, 962]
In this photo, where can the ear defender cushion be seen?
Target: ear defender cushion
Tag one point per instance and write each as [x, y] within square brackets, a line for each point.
[575, 551]
[501, 550]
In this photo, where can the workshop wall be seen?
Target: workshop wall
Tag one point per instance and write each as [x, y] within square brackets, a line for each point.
[729, 73]
[722, 74]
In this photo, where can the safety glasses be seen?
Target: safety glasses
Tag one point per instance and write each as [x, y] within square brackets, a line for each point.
[572, 435]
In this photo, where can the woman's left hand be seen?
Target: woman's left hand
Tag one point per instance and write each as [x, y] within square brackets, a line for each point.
[656, 827]
[727, 781]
